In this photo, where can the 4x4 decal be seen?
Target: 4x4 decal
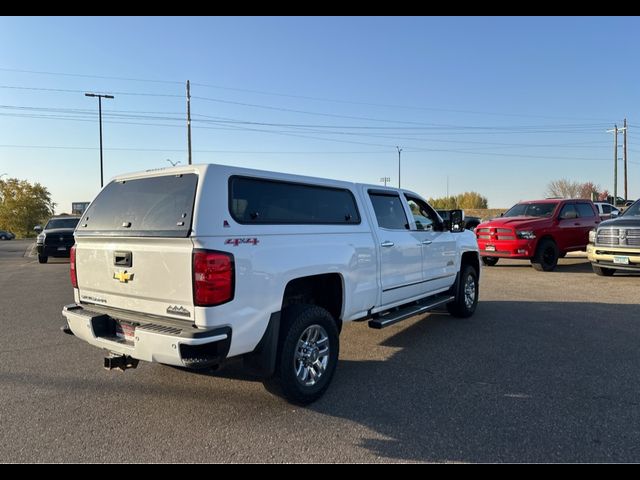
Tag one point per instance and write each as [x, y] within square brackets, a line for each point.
[240, 241]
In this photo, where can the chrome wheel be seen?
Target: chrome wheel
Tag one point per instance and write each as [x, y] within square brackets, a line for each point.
[469, 291]
[312, 355]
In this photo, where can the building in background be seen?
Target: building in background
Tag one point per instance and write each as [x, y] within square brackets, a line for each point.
[78, 208]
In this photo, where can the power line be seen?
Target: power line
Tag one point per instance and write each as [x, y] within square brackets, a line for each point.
[383, 152]
[66, 90]
[285, 95]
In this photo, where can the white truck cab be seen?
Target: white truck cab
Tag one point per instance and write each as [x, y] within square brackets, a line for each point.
[192, 265]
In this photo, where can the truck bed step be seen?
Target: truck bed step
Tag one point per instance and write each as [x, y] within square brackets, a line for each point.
[421, 306]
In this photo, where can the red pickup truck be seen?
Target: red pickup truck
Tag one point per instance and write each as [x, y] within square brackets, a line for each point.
[541, 231]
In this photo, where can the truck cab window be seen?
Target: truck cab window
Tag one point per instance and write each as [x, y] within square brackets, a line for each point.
[389, 211]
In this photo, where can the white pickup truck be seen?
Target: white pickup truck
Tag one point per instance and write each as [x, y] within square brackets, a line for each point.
[193, 265]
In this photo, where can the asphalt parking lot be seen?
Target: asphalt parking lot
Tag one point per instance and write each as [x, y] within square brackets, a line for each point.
[548, 370]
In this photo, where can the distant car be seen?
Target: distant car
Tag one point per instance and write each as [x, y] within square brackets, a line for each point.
[6, 235]
[57, 238]
[470, 223]
[606, 210]
[628, 203]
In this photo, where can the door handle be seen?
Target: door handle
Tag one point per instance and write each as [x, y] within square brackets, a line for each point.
[387, 244]
[427, 242]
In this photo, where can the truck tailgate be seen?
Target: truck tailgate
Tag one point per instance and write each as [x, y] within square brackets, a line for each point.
[146, 275]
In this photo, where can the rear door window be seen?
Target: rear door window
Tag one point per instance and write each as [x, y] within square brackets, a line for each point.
[585, 210]
[143, 207]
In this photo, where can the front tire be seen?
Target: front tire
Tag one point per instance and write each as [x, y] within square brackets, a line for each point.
[467, 295]
[546, 257]
[602, 271]
[42, 259]
[490, 261]
[308, 354]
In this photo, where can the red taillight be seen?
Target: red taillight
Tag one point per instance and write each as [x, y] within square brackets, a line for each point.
[72, 267]
[213, 278]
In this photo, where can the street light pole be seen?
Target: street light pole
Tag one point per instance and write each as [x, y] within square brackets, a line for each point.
[100, 97]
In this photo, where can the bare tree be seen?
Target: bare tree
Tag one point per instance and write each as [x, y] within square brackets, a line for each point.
[563, 188]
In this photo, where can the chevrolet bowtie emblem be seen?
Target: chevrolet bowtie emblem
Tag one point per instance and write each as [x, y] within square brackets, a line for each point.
[123, 277]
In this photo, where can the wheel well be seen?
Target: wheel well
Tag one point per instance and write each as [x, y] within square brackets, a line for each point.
[546, 237]
[470, 258]
[322, 290]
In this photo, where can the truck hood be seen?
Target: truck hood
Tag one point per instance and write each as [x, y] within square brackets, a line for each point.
[622, 222]
[517, 222]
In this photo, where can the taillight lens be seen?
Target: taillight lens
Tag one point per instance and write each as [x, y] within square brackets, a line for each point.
[213, 278]
[72, 267]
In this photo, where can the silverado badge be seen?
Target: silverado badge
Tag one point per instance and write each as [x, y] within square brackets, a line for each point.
[124, 277]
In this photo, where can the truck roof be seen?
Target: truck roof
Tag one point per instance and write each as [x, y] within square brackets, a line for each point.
[203, 168]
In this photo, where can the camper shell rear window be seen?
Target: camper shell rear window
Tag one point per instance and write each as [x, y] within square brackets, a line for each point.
[142, 207]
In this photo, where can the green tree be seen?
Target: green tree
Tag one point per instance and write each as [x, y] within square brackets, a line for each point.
[463, 200]
[443, 203]
[471, 200]
[23, 205]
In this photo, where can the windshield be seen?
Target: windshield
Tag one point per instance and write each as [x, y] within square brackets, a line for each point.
[61, 223]
[633, 210]
[531, 210]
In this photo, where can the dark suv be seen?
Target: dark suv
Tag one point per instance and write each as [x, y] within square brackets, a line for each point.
[6, 235]
[57, 238]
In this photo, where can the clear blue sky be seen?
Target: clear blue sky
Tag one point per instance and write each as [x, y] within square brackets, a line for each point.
[501, 106]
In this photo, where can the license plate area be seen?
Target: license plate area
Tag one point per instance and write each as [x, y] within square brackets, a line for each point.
[490, 248]
[125, 332]
[621, 260]
[62, 249]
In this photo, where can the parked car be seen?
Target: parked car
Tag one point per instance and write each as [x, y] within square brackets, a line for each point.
[540, 231]
[56, 239]
[6, 235]
[606, 210]
[192, 265]
[615, 244]
[470, 223]
[628, 203]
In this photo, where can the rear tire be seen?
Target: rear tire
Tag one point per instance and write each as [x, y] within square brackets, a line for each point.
[490, 261]
[307, 354]
[546, 257]
[42, 259]
[467, 295]
[602, 271]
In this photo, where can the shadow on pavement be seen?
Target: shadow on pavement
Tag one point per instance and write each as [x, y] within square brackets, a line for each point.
[518, 382]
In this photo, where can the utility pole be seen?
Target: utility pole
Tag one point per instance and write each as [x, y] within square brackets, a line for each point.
[189, 119]
[625, 161]
[100, 97]
[615, 165]
[615, 132]
[399, 152]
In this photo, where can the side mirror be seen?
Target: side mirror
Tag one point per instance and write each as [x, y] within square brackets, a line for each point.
[615, 213]
[37, 228]
[457, 221]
